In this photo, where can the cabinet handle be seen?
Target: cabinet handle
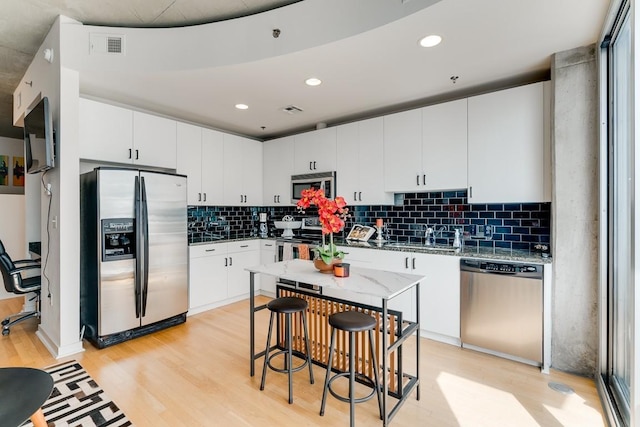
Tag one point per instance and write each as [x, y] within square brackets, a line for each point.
[355, 198]
[137, 155]
[268, 244]
[413, 263]
[314, 165]
[226, 262]
[245, 198]
[129, 152]
[241, 198]
[230, 261]
[417, 179]
[209, 250]
[424, 179]
[360, 196]
[278, 198]
[471, 191]
[406, 262]
[199, 197]
[205, 197]
[244, 246]
[274, 199]
[310, 168]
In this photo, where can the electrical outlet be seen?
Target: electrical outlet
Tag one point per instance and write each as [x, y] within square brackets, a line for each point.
[54, 222]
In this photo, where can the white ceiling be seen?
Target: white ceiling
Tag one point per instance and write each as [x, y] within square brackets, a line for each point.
[487, 44]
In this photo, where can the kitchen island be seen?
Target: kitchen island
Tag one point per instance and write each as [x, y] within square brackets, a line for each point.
[385, 285]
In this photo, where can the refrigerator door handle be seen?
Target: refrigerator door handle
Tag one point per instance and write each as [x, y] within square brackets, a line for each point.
[145, 231]
[138, 273]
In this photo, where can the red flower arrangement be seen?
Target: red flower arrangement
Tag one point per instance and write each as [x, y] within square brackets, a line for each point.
[331, 213]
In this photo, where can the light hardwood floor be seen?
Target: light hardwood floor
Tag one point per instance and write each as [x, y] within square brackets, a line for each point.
[197, 374]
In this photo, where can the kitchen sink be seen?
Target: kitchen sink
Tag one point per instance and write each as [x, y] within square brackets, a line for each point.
[406, 245]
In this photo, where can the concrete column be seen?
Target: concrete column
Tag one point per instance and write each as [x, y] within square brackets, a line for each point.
[574, 215]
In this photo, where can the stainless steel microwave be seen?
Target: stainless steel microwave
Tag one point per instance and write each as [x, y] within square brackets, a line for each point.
[324, 180]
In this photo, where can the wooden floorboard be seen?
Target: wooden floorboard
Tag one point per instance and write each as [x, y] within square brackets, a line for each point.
[197, 374]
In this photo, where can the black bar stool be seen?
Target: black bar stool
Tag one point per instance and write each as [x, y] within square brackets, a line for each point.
[352, 322]
[287, 306]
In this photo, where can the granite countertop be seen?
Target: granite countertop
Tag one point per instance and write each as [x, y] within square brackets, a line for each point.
[468, 252]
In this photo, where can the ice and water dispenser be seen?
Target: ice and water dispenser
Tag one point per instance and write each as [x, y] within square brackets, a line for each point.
[118, 239]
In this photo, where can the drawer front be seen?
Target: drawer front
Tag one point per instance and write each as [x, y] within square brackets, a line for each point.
[243, 246]
[199, 251]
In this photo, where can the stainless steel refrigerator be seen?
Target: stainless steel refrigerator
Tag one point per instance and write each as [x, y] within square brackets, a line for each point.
[134, 251]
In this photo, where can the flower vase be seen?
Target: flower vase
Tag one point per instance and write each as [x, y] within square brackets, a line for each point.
[323, 267]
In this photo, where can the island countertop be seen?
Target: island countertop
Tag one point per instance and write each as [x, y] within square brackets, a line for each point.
[365, 281]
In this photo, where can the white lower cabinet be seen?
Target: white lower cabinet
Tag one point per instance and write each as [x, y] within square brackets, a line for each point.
[217, 274]
[267, 256]
[439, 292]
[240, 255]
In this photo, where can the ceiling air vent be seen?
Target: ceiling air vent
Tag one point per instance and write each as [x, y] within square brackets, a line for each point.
[292, 109]
[110, 44]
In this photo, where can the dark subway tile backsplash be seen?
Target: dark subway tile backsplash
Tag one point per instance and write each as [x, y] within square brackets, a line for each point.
[514, 225]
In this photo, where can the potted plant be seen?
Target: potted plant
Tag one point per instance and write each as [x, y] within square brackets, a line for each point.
[332, 214]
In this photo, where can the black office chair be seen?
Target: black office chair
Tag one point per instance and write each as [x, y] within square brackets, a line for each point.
[15, 282]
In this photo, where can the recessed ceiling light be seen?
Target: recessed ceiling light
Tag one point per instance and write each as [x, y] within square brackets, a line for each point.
[430, 41]
[242, 106]
[313, 81]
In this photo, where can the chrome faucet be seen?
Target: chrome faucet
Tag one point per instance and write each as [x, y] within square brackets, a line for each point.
[428, 236]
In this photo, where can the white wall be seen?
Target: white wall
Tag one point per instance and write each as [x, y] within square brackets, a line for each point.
[59, 328]
[12, 214]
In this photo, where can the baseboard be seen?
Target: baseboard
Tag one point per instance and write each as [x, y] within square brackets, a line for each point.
[57, 351]
[440, 338]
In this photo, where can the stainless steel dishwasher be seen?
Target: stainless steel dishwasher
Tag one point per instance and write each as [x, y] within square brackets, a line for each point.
[501, 309]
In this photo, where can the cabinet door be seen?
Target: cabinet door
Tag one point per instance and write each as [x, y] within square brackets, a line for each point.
[267, 256]
[252, 171]
[233, 191]
[348, 164]
[278, 168]
[371, 160]
[403, 151]
[315, 151]
[207, 275]
[105, 132]
[506, 146]
[189, 161]
[444, 145]
[212, 164]
[238, 277]
[440, 294]
[154, 141]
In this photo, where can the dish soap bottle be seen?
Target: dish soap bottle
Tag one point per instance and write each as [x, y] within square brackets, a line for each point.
[457, 244]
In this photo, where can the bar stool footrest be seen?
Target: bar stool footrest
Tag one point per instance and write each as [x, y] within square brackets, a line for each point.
[284, 370]
[362, 378]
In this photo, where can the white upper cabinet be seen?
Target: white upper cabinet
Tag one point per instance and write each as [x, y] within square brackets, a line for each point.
[242, 171]
[212, 162]
[403, 151]
[278, 168]
[154, 140]
[444, 145]
[359, 166]
[426, 149]
[508, 145]
[188, 156]
[119, 135]
[315, 151]
[200, 158]
[105, 132]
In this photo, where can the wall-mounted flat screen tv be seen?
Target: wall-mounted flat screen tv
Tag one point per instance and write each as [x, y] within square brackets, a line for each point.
[39, 143]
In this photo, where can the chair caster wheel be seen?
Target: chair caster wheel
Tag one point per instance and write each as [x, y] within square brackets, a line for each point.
[5, 332]
[5, 322]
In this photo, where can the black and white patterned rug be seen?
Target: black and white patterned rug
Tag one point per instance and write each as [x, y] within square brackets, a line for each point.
[78, 401]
